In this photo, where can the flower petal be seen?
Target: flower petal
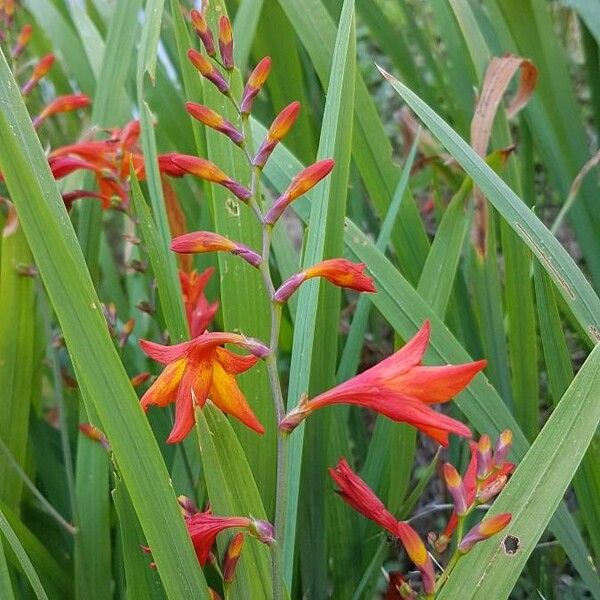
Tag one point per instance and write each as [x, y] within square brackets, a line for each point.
[164, 390]
[164, 354]
[235, 363]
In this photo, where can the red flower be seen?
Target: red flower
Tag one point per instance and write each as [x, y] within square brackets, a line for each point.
[339, 271]
[355, 492]
[402, 389]
[198, 310]
[198, 369]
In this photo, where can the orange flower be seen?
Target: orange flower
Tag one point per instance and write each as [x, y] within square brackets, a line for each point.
[254, 85]
[402, 389]
[198, 310]
[355, 492]
[200, 369]
[302, 183]
[204, 169]
[62, 104]
[339, 271]
[198, 242]
[279, 129]
[215, 121]
[226, 42]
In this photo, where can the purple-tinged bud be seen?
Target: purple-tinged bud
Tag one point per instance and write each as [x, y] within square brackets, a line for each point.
[503, 446]
[295, 416]
[203, 32]
[280, 127]
[456, 488]
[484, 530]
[215, 121]
[226, 42]
[288, 287]
[247, 254]
[238, 190]
[188, 507]
[484, 457]
[491, 490]
[262, 530]
[207, 70]
[254, 85]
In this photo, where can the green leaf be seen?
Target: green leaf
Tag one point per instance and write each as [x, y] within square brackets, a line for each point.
[327, 210]
[533, 492]
[575, 289]
[60, 261]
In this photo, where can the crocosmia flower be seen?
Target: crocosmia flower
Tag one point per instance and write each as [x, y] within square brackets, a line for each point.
[279, 129]
[203, 31]
[484, 530]
[226, 42]
[254, 85]
[199, 311]
[215, 121]
[339, 271]
[198, 370]
[355, 492]
[208, 70]
[402, 389]
[62, 104]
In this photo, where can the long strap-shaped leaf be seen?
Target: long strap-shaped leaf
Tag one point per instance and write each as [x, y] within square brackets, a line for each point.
[333, 142]
[534, 491]
[60, 261]
[569, 280]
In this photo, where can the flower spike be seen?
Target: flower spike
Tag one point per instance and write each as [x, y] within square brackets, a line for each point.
[207, 70]
[279, 129]
[339, 271]
[355, 492]
[215, 121]
[40, 70]
[62, 104]
[484, 530]
[199, 242]
[402, 389]
[203, 32]
[254, 85]
[226, 42]
[204, 169]
[302, 183]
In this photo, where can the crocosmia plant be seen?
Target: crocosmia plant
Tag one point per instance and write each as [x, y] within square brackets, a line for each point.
[263, 335]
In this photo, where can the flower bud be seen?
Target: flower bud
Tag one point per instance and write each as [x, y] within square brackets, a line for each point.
[126, 331]
[302, 183]
[502, 450]
[232, 556]
[22, 41]
[254, 85]
[226, 42]
[484, 530]
[208, 71]
[491, 490]
[140, 379]
[61, 105]
[279, 129]
[94, 434]
[262, 530]
[39, 71]
[215, 121]
[484, 457]
[203, 32]
[456, 488]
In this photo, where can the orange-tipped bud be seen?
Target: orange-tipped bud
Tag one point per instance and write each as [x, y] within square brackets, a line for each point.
[215, 121]
[226, 42]
[484, 530]
[456, 488]
[502, 450]
[126, 331]
[22, 41]
[302, 183]
[204, 169]
[207, 70]
[62, 104]
[94, 434]
[491, 490]
[254, 85]
[484, 457]
[232, 556]
[279, 129]
[339, 271]
[140, 379]
[203, 32]
[199, 242]
[40, 70]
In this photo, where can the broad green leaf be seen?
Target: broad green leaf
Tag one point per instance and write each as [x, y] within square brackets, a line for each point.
[6, 590]
[533, 492]
[60, 261]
